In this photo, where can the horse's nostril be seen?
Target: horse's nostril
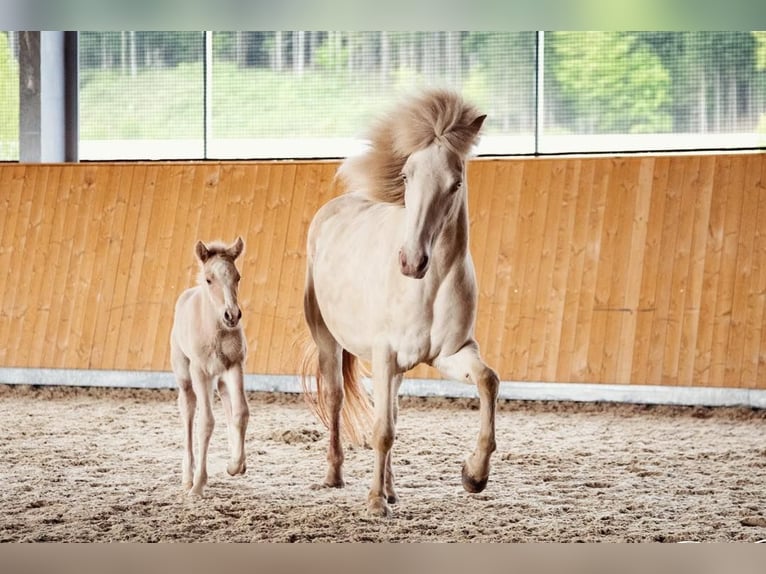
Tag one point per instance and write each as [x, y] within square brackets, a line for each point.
[423, 264]
[227, 315]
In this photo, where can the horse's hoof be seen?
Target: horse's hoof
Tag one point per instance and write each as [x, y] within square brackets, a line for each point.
[392, 498]
[235, 468]
[471, 484]
[323, 485]
[377, 506]
[195, 493]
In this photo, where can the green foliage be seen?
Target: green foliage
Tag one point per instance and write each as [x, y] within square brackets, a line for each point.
[626, 92]
[9, 101]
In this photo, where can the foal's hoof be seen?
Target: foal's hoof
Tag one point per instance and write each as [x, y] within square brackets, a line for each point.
[235, 468]
[471, 484]
[377, 506]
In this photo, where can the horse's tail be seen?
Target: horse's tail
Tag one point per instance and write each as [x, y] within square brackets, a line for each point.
[356, 414]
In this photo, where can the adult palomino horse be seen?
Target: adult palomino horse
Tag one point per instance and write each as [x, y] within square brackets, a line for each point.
[208, 350]
[390, 280]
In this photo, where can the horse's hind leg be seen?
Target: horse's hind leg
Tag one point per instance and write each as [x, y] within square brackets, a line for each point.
[232, 391]
[331, 369]
[466, 366]
[329, 383]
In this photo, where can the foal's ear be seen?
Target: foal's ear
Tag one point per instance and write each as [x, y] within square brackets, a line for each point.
[236, 250]
[202, 252]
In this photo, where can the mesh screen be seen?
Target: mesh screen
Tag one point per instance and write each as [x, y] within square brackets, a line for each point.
[312, 93]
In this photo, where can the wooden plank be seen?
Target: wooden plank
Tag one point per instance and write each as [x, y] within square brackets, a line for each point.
[582, 369]
[72, 285]
[751, 189]
[247, 262]
[565, 370]
[561, 269]
[126, 247]
[495, 348]
[109, 240]
[25, 304]
[290, 281]
[711, 273]
[70, 193]
[544, 295]
[625, 185]
[57, 197]
[171, 219]
[636, 257]
[727, 275]
[647, 302]
[31, 338]
[667, 249]
[754, 345]
[134, 306]
[680, 270]
[14, 298]
[600, 347]
[265, 180]
[93, 266]
[483, 240]
[12, 181]
[280, 206]
[703, 189]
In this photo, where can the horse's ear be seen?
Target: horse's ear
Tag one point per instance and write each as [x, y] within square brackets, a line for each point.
[236, 249]
[202, 253]
[477, 123]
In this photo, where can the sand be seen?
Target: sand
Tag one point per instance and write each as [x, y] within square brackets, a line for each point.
[102, 465]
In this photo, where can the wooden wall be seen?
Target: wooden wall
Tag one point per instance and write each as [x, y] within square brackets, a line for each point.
[644, 270]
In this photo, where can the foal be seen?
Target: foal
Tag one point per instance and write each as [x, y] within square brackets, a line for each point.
[208, 350]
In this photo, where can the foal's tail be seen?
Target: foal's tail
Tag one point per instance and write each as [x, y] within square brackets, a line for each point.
[356, 414]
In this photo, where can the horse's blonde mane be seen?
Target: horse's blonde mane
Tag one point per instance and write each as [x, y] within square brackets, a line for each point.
[436, 115]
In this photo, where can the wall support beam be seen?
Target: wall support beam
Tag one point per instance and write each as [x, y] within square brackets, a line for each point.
[48, 117]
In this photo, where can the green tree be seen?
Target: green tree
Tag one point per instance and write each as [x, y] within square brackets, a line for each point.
[607, 82]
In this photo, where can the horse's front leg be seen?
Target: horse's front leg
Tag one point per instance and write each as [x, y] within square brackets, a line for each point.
[232, 391]
[385, 386]
[187, 404]
[203, 388]
[466, 366]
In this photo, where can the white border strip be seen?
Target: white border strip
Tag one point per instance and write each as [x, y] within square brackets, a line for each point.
[526, 391]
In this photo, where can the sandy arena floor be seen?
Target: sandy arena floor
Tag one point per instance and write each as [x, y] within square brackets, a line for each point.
[99, 465]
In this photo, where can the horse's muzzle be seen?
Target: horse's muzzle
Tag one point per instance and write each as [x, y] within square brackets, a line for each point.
[414, 270]
[231, 318]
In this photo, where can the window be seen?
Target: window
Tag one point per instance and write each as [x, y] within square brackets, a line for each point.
[297, 94]
[9, 97]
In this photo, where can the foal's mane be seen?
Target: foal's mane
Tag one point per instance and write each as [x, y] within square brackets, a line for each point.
[437, 115]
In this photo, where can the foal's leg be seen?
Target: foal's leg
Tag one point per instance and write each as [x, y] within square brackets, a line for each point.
[203, 388]
[232, 391]
[384, 430]
[466, 365]
[187, 403]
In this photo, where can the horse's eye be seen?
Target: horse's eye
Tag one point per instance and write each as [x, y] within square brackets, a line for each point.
[404, 177]
[209, 280]
[458, 184]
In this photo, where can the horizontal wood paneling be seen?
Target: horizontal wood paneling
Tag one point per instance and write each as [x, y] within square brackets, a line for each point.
[639, 270]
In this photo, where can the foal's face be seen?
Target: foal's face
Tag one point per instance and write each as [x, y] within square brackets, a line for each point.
[433, 180]
[222, 284]
[220, 280]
